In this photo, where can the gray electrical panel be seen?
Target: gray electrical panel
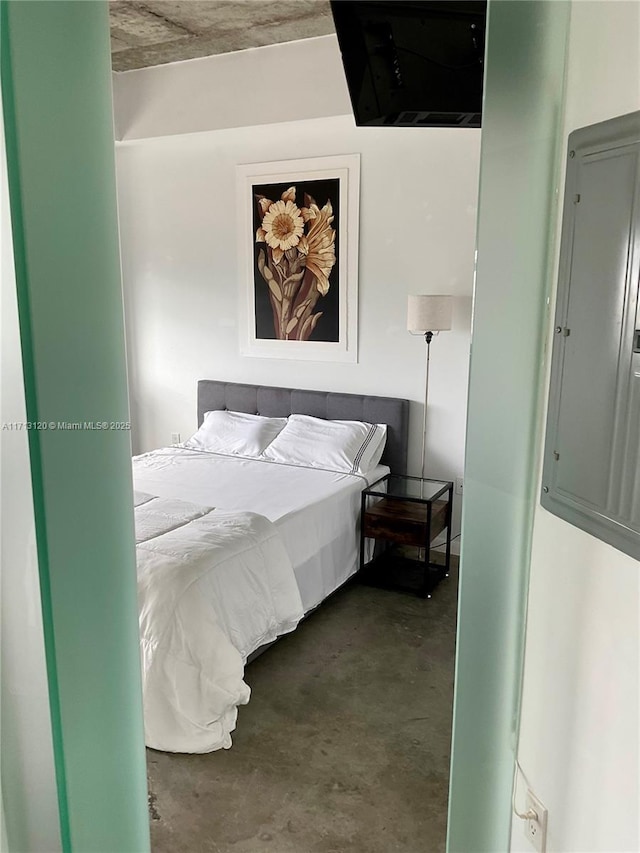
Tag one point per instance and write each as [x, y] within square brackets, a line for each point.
[591, 474]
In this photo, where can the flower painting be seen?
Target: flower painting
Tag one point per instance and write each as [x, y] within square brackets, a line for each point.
[302, 300]
[295, 259]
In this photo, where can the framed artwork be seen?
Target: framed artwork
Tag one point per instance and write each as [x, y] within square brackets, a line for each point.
[298, 246]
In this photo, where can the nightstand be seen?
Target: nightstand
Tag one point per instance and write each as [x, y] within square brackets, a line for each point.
[404, 515]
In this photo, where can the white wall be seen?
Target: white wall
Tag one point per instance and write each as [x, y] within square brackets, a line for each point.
[579, 739]
[265, 85]
[177, 198]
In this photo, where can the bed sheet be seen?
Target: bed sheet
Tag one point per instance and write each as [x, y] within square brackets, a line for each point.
[315, 511]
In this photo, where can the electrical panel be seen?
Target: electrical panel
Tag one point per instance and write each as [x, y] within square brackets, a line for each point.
[591, 474]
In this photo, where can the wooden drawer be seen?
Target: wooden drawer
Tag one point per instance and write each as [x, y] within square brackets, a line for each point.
[404, 521]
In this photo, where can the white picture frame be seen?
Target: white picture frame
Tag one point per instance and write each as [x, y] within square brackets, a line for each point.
[286, 274]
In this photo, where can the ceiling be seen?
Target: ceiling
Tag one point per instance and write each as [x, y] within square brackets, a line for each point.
[155, 32]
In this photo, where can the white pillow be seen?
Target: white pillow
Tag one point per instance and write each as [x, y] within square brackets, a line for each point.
[352, 447]
[235, 433]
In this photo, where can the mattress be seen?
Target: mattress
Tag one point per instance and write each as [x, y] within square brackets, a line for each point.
[315, 511]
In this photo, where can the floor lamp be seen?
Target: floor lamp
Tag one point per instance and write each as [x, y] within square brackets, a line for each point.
[426, 315]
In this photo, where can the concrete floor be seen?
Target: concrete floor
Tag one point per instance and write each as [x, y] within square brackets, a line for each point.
[343, 748]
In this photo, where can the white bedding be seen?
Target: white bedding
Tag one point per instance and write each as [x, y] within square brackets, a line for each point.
[215, 584]
[212, 587]
[315, 511]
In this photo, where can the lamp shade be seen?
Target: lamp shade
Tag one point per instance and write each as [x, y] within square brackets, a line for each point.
[429, 313]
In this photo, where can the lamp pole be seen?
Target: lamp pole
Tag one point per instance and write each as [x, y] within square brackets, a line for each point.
[428, 338]
[426, 315]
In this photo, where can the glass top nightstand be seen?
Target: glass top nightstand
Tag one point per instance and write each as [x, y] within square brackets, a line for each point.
[404, 515]
[403, 486]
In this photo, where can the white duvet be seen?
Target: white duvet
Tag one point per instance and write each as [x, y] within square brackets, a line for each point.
[213, 585]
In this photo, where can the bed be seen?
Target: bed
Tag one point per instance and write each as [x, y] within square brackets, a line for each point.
[233, 552]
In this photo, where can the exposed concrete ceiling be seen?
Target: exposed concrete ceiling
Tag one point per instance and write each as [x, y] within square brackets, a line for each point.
[155, 32]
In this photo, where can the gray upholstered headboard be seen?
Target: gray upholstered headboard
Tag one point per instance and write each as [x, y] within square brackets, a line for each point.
[281, 402]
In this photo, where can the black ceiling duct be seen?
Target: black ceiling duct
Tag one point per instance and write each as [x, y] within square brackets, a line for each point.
[413, 64]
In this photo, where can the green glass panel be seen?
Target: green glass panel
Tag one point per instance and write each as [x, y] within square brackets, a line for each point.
[30, 823]
[58, 122]
[523, 107]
